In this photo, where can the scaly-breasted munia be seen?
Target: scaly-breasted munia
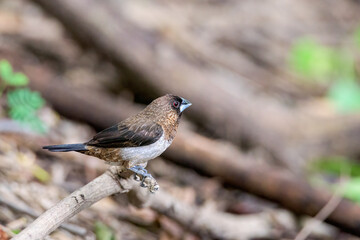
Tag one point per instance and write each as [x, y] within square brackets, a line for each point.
[137, 139]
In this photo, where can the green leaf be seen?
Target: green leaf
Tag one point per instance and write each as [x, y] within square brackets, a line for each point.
[16, 231]
[6, 71]
[21, 112]
[11, 78]
[351, 189]
[23, 104]
[345, 95]
[103, 232]
[17, 97]
[35, 100]
[27, 118]
[18, 79]
[312, 60]
[26, 97]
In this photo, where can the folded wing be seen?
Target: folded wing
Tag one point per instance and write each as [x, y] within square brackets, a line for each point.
[122, 135]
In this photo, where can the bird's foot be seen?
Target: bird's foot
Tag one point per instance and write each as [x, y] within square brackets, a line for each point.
[147, 181]
[150, 183]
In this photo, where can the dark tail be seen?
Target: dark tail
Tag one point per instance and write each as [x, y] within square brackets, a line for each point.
[78, 147]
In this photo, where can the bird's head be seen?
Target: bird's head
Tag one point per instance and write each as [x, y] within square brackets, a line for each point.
[170, 105]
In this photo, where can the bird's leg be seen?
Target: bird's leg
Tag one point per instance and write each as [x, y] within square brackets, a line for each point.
[139, 170]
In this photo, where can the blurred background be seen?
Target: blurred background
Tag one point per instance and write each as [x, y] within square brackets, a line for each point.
[270, 145]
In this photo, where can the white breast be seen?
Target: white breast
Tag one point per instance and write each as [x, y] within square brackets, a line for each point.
[145, 153]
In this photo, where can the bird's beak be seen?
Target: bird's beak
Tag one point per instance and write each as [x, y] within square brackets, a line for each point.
[185, 104]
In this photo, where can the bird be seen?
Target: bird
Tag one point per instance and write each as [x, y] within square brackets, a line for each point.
[134, 141]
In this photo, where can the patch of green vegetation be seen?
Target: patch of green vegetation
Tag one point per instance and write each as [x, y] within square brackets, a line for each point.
[22, 102]
[334, 67]
[16, 231]
[312, 61]
[11, 78]
[338, 166]
[345, 95]
[103, 232]
[351, 189]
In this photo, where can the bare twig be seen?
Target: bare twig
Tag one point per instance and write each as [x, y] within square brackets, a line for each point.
[320, 217]
[325, 212]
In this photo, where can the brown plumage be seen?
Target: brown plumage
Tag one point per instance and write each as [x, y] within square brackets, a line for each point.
[137, 139]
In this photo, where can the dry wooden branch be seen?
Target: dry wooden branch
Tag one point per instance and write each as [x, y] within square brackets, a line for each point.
[101, 187]
[215, 158]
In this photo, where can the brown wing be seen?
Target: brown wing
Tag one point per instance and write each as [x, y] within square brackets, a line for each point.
[127, 136]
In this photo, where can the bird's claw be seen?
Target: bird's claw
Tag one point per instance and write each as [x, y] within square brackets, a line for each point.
[137, 177]
[150, 183]
[143, 184]
[154, 188]
[147, 181]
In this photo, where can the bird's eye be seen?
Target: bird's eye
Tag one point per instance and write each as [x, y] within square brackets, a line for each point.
[176, 104]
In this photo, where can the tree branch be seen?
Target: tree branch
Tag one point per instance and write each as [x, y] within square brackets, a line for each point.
[103, 186]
